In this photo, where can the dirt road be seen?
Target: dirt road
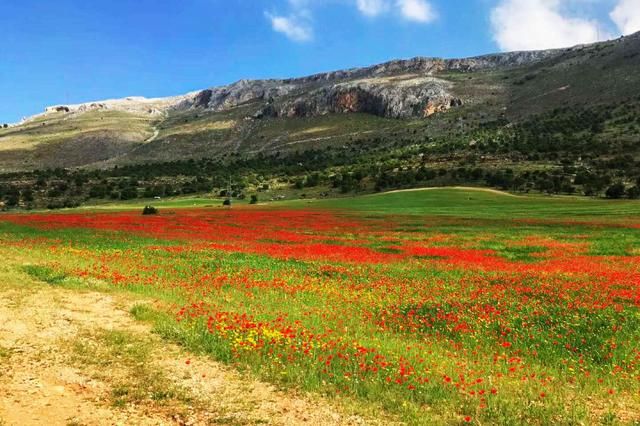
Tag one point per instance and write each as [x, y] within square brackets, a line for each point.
[73, 357]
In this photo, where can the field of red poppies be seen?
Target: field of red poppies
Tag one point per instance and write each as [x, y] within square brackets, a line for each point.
[434, 318]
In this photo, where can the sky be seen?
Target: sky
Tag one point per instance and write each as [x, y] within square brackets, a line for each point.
[73, 51]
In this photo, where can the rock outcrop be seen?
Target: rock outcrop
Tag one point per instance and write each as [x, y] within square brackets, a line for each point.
[395, 89]
[379, 97]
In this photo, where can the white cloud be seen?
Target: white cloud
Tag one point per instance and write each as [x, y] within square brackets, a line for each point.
[540, 24]
[411, 10]
[296, 28]
[417, 10]
[372, 7]
[626, 16]
[297, 25]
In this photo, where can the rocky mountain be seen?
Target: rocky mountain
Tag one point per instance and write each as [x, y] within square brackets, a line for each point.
[396, 89]
[434, 96]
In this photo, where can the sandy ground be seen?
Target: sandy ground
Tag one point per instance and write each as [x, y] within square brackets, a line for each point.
[41, 383]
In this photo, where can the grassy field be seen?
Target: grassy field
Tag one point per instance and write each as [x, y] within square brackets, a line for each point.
[486, 204]
[446, 306]
[461, 202]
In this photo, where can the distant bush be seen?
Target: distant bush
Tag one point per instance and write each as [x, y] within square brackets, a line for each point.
[149, 210]
[254, 199]
[633, 193]
[615, 191]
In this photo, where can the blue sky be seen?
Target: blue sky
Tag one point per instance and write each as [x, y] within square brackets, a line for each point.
[71, 51]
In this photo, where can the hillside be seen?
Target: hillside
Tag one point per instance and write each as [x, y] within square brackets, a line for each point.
[558, 121]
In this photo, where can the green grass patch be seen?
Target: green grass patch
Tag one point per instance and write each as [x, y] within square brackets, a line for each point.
[483, 204]
[45, 274]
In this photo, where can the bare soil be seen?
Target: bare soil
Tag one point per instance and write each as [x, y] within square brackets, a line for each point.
[49, 374]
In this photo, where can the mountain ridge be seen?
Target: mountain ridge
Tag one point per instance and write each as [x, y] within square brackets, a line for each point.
[218, 98]
[433, 98]
[423, 64]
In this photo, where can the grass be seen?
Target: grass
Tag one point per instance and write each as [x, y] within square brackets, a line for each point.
[481, 204]
[196, 339]
[45, 274]
[546, 318]
[167, 203]
[470, 203]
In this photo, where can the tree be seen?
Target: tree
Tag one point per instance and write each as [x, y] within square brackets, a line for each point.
[98, 191]
[129, 193]
[633, 193]
[616, 191]
[13, 196]
[312, 180]
[13, 200]
[27, 195]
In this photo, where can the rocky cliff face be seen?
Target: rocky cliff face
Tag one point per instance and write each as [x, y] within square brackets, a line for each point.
[413, 97]
[396, 89]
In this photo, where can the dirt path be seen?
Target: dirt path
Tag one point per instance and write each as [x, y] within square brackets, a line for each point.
[156, 133]
[71, 357]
